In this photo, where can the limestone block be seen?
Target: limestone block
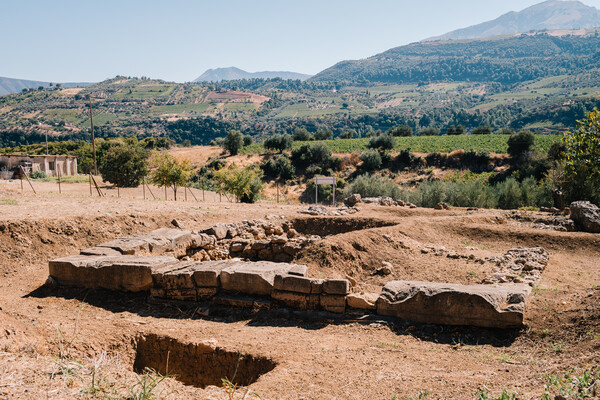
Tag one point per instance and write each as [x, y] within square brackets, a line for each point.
[298, 284]
[99, 251]
[128, 273]
[453, 304]
[365, 301]
[333, 303]
[255, 278]
[336, 286]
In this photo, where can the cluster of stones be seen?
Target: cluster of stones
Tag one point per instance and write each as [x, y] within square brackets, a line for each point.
[356, 198]
[554, 222]
[320, 210]
[518, 265]
[252, 240]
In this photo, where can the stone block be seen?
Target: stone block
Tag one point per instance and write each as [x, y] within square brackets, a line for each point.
[206, 274]
[128, 273]
[298, 284]
[181, 294]
[333, 303]
[99, 251]
[254, 278]
[291, 299]
[453, 304]
[336, 286]
[204, 293]
[241, 301]
[366, 301]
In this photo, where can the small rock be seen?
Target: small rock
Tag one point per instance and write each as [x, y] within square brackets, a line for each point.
[177, 224]
[386, 268]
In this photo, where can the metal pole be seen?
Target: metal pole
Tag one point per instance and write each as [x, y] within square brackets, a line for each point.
[93, 139]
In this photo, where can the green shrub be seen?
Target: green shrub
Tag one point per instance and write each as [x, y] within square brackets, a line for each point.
[371, 160]
[311, 154]
[509, 194]
[124, 164]
[429, 132]
[482, 130]
[382, 142]
[373, 186]
[279, 142]
[38, 175]
[400, 130]
[280, 168]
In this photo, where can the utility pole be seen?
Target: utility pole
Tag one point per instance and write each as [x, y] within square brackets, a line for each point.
[46, 142]
[93, 139]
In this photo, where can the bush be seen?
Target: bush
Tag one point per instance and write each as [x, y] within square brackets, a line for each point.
[455, 130]
[244, 183]
[317, 154]
[373, 186]
[278, 169]
[279, 143]
[371, 160]
[405, 159]
[509, 194]
[248, 140]
[324, 134]
[38, 175]
[382, 142]
[348, 134]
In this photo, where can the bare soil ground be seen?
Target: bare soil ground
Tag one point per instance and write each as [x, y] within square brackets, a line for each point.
[58, 343]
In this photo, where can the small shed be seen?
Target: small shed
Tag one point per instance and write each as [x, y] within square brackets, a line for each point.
[50, 164]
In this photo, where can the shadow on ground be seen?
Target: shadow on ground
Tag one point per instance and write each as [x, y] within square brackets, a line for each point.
[139, 304]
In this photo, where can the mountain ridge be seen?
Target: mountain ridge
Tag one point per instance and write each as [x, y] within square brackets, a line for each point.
[548, 15]
[234, 73]
[13, 85]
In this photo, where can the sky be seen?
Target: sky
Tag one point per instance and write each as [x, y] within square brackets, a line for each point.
[177, 40]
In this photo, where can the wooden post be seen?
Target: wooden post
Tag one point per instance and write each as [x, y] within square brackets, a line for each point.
[316, 192]
[277, 183]
[26, 177]
[334, 194]
[118, 189]
[93, 139]
[185, 193]
[165, 193]
[96, 185]
[144, 188]
[203, 191]
[90, 179]
[21, 178]
[150, 190]
[192, 193]
[59, 188]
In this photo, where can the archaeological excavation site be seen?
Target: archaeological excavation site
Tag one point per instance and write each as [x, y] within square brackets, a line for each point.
[278, 302]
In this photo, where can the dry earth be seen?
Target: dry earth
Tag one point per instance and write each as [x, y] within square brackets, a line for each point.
[58, 343]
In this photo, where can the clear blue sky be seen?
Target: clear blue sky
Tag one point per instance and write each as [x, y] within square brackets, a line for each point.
[60, 41]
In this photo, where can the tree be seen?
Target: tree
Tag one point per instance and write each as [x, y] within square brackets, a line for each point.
[348, 134]
[324, 134]
[168, 171]
[401, 130]
[520, 144]
[234, 142]
[455, 130]
[124, 164]
[247, 140]
[244, 183]
[382, 142]
[302, 135]
[582, 159]
[279, 143]
[482, 130]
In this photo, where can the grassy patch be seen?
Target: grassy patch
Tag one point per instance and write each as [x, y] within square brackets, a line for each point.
[8, 202]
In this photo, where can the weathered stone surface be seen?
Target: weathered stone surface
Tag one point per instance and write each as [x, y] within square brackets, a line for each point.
[129, 273]
[155, 242]
[353, 200]
[336, 286]
[206, 274]
[454, 304]
[363, 301]
[219, 231]
[203, 293]
[255, 278]
[333, 303]
[298, 284]
[586, 216]
[291, 299]
[99, 251]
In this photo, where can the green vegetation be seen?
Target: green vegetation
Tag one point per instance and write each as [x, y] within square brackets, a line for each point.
[234, 142]
[168, 171]
[124, 164]
[243, 183]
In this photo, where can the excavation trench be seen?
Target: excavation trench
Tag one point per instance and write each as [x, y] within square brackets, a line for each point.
[198, 364]
[325, 226]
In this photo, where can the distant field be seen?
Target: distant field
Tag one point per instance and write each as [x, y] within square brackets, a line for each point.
[180, 108]
[429, 144]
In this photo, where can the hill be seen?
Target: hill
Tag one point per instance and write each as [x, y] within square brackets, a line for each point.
[505, 60]
[10, 85]
[549, 15]
[233, 73]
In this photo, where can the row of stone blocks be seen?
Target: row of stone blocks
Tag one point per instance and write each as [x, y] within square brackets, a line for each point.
[490, 306]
